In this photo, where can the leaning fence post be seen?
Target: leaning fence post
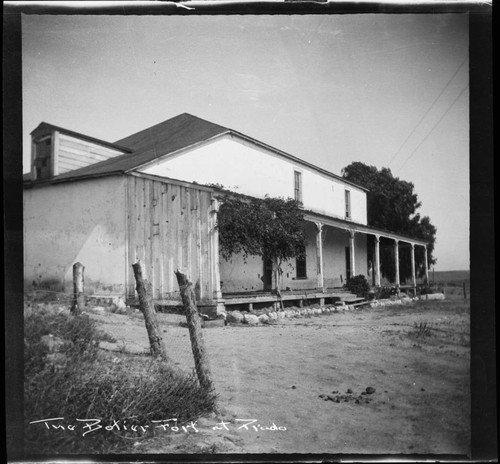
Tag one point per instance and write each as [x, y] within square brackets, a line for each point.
[195, 333]
[78, 294]
[147, 308]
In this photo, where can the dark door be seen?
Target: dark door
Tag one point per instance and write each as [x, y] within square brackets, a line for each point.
[268, 275]
[347, 263]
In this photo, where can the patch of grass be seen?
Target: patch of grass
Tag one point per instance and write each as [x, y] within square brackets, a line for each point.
[422, 330]
[89, 384]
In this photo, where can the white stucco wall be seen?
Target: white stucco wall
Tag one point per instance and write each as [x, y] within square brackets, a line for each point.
[236, 275]
[73, 222]
[255, 171]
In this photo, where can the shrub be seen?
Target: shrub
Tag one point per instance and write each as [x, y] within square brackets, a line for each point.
[358, 285]
[95, 385]
[385, 292]
[79, 335]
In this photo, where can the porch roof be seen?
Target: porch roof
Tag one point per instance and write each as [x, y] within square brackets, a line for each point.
[360, 228]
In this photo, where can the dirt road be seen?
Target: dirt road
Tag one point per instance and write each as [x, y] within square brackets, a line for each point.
[307, 378]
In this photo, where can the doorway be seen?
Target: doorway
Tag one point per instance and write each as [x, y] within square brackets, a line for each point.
[268, 275]
[347, 264]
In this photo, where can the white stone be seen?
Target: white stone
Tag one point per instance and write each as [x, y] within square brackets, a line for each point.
[433, 296]
[118, 303]
[250, 319]
[53, 343]
[264, 319]
[234, 316]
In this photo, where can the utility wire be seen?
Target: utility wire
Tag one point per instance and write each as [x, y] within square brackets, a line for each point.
[428, 110]
[434, 127]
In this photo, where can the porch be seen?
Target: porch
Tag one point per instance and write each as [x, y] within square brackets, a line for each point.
[251, 300]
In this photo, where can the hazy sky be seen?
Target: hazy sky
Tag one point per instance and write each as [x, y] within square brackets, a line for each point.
[386, 90]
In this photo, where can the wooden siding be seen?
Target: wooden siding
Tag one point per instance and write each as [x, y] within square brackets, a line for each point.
[73, 153]
[170, 227]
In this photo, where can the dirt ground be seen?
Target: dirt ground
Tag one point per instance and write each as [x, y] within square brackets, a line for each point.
[304, 381]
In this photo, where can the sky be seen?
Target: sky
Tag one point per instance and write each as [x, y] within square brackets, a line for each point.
[386, 90]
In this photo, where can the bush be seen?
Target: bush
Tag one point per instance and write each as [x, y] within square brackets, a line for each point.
[78, 334]
[91, 384]
[383, 293]
[358, 285]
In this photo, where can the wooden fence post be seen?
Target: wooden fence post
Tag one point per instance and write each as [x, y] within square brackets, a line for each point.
[78, 294]
[194, 325]
[147, 308]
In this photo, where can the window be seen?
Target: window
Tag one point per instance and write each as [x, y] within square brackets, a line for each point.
[298, 185]
[347, 204]
[301, 266]
[43, 153]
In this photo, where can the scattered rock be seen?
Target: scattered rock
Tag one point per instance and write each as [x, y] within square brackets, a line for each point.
[370, 390]
[234, 316]
[293, 387]
[53, 343]
[349, 390]
[250, 319]
[118, 304]
[264, 319]
[433, 296]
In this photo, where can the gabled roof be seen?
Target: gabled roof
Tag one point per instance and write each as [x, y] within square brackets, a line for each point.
[149, 144]
[180, 132]
[62, 130]
[173, 134]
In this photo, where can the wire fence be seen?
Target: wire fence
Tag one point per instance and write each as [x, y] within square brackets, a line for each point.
[98, 363]
[124, 325]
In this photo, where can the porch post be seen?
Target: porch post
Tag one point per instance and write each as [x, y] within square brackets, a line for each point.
[377, 260]
[396, 261]
[413, 276]
[319, 256]
[217, 294]
[351, 246]
[426, 265]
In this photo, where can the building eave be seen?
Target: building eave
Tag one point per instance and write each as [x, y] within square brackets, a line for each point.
[360, 228]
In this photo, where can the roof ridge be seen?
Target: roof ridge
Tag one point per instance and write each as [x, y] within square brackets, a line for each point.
[184, 115]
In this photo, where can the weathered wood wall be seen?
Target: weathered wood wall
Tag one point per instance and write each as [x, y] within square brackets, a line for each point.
[171, 226]
[72, 153]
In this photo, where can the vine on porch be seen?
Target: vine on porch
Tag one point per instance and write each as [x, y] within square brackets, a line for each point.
[272, 228]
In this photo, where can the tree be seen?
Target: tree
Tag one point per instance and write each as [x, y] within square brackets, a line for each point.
[272, 228]
[392, 205]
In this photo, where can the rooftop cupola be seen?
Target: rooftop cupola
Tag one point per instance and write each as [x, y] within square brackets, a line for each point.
[55, 150]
